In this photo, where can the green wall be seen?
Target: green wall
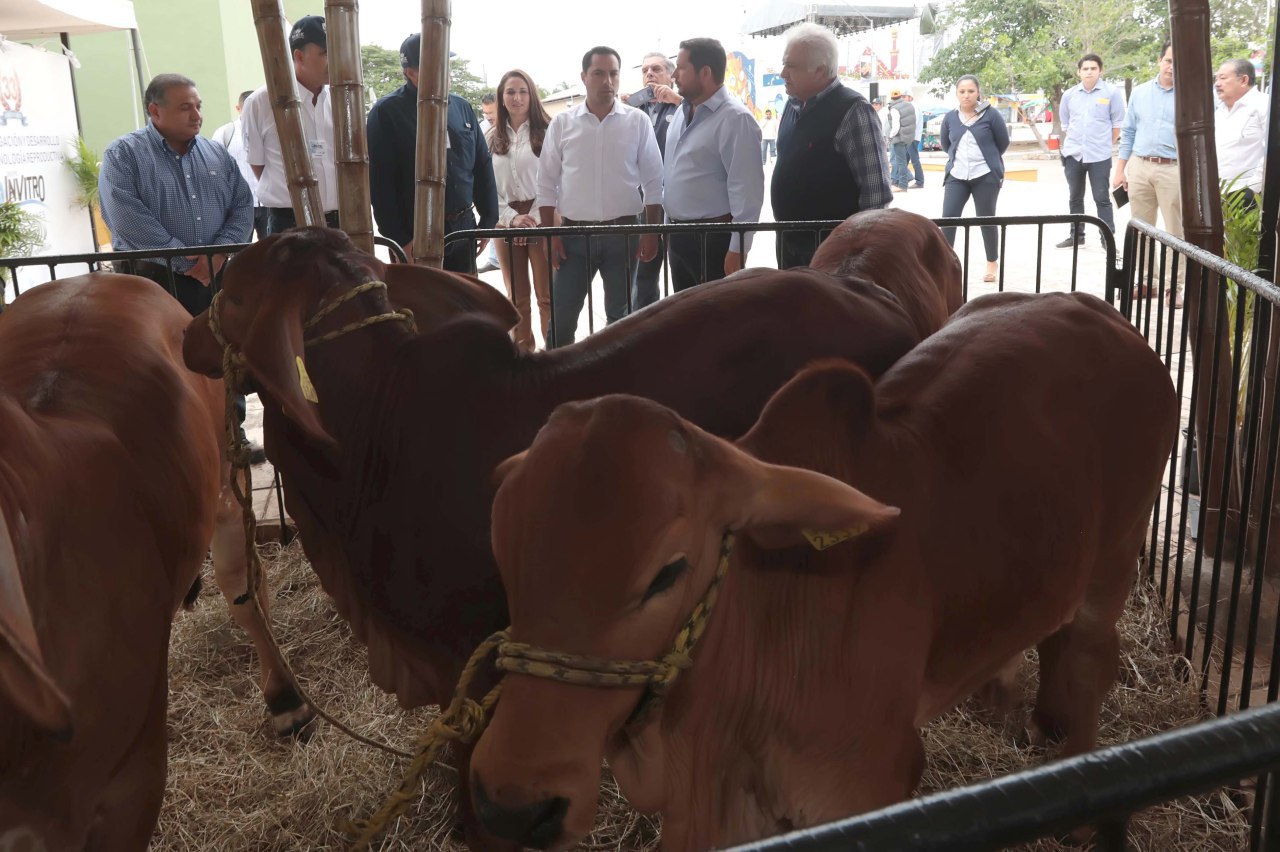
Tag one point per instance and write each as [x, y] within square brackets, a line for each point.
[213, 43]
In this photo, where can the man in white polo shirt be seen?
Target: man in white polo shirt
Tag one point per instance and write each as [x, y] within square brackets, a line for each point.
[309, 44]
[593, 158]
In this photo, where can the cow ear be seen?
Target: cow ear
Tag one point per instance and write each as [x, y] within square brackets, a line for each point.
[24, 680]
[506, 468]
[818, 416]
[783, 506]
[273, 352]
[200, 350]
[825, 410]
[436, 296]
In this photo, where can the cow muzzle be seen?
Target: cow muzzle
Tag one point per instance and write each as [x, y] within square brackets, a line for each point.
[538, 825]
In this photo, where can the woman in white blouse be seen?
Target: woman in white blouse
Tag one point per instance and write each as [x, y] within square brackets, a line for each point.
[515, 141]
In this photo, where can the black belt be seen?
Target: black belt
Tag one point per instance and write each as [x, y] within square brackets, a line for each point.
[621, 220]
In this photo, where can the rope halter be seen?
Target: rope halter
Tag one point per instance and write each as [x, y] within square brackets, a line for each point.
[656, 675]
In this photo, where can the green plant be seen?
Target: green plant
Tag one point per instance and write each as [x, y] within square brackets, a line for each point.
[83, 164]
[21, 232]
[1241, 229]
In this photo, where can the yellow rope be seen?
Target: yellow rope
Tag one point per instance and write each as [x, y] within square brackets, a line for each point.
[463, 721]
[465, 718]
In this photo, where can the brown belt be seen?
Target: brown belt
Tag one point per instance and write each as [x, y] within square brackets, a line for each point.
[621, 220]
[1160, 161]
[521, 207]
[727, 217]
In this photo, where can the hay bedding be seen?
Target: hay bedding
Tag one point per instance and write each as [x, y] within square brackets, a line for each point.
[233, 786]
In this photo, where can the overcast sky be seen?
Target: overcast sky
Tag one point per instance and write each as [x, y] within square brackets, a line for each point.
[548, 37]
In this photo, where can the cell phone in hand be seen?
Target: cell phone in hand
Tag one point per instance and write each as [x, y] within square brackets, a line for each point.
[1121, 196]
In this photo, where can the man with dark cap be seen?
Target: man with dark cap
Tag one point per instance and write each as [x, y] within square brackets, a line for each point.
[309, 44]
[393, 139]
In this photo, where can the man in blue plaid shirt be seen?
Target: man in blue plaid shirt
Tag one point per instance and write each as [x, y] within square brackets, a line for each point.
[165, 186]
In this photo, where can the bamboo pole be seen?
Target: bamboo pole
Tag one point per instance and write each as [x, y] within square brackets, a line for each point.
[433, 116]
[1202, 227]
[346, 88]
[277, 66]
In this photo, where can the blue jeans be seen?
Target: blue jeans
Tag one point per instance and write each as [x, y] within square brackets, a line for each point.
[1098, 173]
[768, 148]
[913, 151]
[614, 258]
[898, 171]
[645, 290]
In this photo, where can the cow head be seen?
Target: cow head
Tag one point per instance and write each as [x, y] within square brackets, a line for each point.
[268, 292]
[24, 680]
[607, 533]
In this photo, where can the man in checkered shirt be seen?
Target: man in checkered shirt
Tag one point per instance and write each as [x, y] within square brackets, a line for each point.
[831, 161]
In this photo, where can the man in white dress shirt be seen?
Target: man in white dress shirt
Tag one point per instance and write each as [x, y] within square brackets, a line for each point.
[1240, 128]
[593, 158]
[309, 44]
[713, 170]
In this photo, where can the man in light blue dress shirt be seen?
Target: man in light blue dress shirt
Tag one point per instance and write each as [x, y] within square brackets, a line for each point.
[713, 170]
[1092, 113]
[1147, 162]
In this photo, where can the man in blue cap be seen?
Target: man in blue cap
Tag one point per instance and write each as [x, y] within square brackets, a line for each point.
[393, 135]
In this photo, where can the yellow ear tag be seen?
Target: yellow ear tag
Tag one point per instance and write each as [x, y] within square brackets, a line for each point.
[304, 381]
[828, 539]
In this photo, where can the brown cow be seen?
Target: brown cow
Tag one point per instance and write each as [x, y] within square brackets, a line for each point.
[903, 252]
[111, 486]
[1005, 514]
[395, 517]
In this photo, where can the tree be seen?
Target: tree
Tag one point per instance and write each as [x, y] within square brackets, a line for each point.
[1033, 45]
[383, 75]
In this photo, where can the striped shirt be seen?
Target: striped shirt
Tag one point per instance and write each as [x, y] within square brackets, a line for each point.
[152, 197]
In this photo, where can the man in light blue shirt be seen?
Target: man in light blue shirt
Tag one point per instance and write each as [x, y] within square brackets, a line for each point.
[1147, 162]
[1092, 114]
[713, 170]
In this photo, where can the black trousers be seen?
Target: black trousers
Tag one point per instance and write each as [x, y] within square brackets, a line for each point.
[460, 255]
[1098, 174]
[690, 265]
[984, 190]
[796, 248]
[189, 292]
[282, 219]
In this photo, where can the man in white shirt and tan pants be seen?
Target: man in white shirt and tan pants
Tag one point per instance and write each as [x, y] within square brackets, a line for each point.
[593, 158]
[1240, 128]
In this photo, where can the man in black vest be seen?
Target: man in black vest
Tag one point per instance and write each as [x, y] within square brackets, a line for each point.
[660, 101]
[831, 161]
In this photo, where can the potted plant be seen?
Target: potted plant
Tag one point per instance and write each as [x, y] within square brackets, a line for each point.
[21, 233]
[83, 164]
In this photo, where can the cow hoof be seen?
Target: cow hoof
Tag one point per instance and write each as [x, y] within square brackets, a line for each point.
[297, 724]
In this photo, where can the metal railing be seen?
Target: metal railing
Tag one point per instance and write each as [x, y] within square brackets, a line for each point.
[1108, 288]
[1101, 788]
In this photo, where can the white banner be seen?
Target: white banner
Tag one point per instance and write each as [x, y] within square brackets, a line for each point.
[37, 127]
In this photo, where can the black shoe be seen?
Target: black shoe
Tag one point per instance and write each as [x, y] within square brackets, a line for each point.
[257, 455]
[916, 185]
[1071, 241]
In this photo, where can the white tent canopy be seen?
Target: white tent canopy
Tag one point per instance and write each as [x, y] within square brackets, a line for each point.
[23, 19]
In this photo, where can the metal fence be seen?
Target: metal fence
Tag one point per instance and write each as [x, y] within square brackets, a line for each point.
[1029, 245]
